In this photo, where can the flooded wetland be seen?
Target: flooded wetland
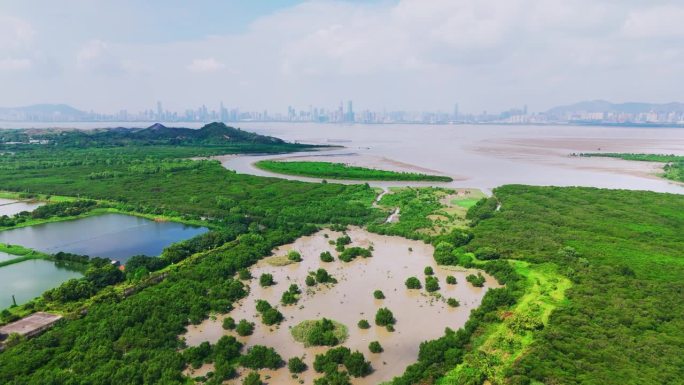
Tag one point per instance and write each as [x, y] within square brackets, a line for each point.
[419, 315]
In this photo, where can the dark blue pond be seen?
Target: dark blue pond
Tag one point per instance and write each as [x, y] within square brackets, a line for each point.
[112, 236]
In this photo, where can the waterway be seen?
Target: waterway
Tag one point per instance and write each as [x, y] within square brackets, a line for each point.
[476, 156]
[487, 156]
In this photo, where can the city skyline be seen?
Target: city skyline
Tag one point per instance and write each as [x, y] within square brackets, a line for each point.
[588, 112]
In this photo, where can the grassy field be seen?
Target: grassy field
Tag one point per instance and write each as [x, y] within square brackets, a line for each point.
[303, 330]
[499, 345]
[326, 170]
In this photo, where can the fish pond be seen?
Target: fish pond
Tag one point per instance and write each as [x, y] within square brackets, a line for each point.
[29, 279]
[114, 236]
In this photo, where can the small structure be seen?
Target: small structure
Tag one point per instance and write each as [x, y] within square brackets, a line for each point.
[31, 325]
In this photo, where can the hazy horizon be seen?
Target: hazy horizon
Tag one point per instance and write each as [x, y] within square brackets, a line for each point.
[405, 55]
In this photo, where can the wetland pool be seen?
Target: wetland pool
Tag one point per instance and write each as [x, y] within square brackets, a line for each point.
[420, 316]
[114, 236]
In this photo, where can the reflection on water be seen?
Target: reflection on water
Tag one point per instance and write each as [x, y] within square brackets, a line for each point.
[113, 236]
[419, 316]
[29, 279]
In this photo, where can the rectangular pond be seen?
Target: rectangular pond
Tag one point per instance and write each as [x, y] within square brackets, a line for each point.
[11, 207]
[29, 279]
[114, 236]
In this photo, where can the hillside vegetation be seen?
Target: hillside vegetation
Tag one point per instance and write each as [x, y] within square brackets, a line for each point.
[157, 134]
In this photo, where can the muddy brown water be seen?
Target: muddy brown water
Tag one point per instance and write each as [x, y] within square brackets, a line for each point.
[419, 316]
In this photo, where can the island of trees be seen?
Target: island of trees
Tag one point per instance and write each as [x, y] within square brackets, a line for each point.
[328, 170]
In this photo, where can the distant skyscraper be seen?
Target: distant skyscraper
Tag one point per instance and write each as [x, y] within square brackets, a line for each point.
[350, 112]
[455, 117]
[159, 111]
[223, 113]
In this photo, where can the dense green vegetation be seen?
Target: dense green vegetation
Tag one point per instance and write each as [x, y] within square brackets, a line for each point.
[328, 363]
[269, 315]
[296, 365]
[592, 277]
[673, 169]
[326, 257]
[622, 251]
[413, 283]
[384, 317]
[127, 338]
[329, 170]
[350, 253]
[266, 280]
[244, 328]
[431, 284]
[157, 134]
[375, 347]
[320, 276]
[476, 280]
[291, 296]
[259, 357]
[253, 378]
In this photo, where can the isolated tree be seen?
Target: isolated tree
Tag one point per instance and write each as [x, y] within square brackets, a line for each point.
[413, 283]
[384, 317]
[375, 347]
[266, 280]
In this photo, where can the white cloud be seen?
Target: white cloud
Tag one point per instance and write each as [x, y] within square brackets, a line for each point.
[657, 22]
[10, 64]
[205, 65]
[15, 32]
[422, 54]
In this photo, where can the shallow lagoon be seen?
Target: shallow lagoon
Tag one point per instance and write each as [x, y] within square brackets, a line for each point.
[114, 236]
[419, 316]
[29, 279]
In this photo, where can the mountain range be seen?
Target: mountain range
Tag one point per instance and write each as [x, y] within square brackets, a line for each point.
[605, 106]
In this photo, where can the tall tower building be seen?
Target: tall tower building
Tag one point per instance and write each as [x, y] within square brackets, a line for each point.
[159, 111]
[455, 117]
[350, 112]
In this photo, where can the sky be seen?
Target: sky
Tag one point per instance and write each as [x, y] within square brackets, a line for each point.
[386, 54]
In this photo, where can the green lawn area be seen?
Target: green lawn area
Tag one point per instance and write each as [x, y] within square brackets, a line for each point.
[465, 203]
